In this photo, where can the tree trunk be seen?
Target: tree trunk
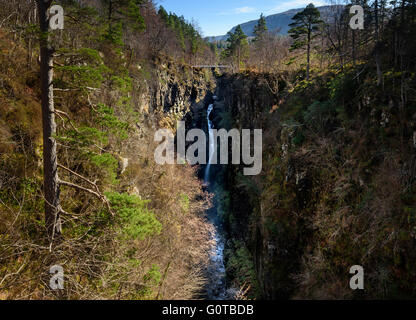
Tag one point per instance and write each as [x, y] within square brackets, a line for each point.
[239, 53]
[308, 58]
[110, 15]
[50, 170]
[353, 49]
[377, 46]
[31, 19]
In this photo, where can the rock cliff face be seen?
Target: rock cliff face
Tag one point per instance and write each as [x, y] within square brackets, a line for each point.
[262, 217]
[179, 90]
[295, 230]
[335, 190]
[244, 101]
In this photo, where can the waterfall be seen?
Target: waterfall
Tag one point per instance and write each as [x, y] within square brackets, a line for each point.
[216, 289]
[211, 143]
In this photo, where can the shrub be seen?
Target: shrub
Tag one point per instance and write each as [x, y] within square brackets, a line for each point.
[136, 221]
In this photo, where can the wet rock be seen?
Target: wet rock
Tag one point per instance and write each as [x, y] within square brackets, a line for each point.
[414, 139]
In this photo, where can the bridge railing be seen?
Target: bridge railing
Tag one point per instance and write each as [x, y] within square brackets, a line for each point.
[212, 66]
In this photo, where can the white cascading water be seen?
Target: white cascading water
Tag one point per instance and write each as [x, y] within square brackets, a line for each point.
[211, 143]
[216, 289]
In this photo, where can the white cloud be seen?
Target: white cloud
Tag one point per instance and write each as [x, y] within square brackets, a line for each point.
[242, 10]
[294, 4]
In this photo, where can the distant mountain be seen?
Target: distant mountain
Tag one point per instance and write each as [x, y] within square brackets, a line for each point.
[280, 21]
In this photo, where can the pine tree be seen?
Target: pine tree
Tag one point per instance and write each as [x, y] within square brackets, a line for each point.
[303, 31]
[123, 11]
[163, 14]
[260, 29]
[50, 163]
[237, 45]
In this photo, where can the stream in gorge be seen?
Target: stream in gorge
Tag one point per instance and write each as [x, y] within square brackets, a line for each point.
[216, 288]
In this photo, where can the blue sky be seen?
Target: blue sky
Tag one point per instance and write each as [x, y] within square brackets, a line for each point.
[217, 17]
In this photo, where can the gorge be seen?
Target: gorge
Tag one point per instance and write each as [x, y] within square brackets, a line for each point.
[333, 181]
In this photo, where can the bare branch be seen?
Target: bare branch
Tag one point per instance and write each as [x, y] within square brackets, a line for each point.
[59, 113]
[1, 24]
[97, 193]
[76, 89]
[13, 274]
[100, 196]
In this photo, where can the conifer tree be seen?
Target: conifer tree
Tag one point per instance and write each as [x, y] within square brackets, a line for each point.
[260, 29]
[119, 11]
[50, 164]
[237, 45]
[163, 14]
[303, 31]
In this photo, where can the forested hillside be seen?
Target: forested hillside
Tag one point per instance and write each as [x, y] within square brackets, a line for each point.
[80, 187]
[278, 23]
[129, 228]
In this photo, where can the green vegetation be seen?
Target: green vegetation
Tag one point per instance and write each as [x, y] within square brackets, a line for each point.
[303, 31]
[186, 32]
[338, 181]
[137, 221]
[119, 233]
[237, 47]
[338, 184]
[260, 29]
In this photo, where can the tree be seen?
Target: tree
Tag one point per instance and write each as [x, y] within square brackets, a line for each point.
[378, 44]
[237, 45]
[187, 34]
[50, 164]
[133, 14]
[267, 53]
[261, 43]
[336, 33]
[260, 29]
[119, 11]
[51, 181]
[303, 31]
[163, 14]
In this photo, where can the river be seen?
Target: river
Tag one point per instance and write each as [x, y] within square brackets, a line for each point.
[216, 288]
